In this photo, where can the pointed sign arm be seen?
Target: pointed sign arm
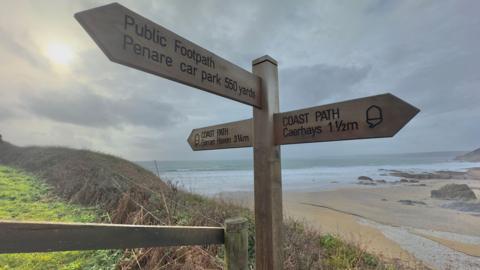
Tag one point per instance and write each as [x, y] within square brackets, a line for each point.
[378, 116]
[129, 39]
[369, 117]
[228, 135]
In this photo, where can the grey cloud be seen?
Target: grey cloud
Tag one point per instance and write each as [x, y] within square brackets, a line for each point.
[5, 113]
[9, 43]
[86, 108]
[425, 52]
[381, 6]
[101, 72]
[148, 143]
[446, 84]
[309, 85]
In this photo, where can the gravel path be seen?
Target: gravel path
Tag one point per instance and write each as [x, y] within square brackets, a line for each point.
[431, 253]
[467, 239]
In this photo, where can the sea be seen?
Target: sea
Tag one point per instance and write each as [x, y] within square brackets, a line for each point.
[212, 177]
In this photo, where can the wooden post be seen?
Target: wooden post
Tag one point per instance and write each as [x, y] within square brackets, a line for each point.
[267, 171]
[236, 244]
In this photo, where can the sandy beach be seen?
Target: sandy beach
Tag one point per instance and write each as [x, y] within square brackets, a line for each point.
[398, 221]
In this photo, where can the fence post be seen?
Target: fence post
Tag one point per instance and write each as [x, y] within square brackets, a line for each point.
[236, 244]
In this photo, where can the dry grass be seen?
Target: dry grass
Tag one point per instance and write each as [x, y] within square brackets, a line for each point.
[132, 195]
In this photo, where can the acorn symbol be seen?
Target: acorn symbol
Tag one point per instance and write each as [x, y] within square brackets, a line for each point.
[374, 116]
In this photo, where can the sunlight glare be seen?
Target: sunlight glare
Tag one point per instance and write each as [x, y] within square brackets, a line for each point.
[59, 53]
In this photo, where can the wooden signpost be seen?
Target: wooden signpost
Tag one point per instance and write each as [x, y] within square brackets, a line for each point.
[370, 117]
[132, 40]
[267, 173]
[364, 118]
[228, 135]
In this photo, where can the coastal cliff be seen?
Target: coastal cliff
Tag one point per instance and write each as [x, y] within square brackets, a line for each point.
[473, 156]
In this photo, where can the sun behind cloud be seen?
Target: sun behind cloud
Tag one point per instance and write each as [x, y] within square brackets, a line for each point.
[59, 53]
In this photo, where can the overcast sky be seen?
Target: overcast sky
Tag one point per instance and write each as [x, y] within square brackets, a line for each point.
[425, 52]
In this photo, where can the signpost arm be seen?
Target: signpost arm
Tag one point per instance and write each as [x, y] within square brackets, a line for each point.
[267, 170]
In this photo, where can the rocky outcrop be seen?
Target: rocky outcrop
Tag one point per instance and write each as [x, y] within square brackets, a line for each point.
[411, 202]
[366, 183]
[454, 192]
[365, 180]
[473, 156]
[464, 206]
[428, 175]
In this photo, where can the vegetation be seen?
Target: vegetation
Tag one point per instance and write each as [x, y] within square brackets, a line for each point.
[22, 197]
[132, 195]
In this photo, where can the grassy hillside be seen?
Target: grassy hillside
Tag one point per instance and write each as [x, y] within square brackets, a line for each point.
[131, 195]
[22, 197]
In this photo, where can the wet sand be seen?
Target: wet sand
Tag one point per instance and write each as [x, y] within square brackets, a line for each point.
[474, 173]
[374, 218]
[381, 204]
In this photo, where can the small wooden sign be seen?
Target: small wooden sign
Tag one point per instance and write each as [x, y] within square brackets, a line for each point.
[370, 117]
[129, 39]
[229, 135]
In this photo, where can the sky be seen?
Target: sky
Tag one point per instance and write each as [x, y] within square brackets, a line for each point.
[58, 88]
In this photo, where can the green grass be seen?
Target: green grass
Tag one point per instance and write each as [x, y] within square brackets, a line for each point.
[23, 197]
[341, 255]
[306, 248]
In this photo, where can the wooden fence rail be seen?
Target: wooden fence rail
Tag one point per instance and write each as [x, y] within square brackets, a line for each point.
[26, 237]
[22, 237]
